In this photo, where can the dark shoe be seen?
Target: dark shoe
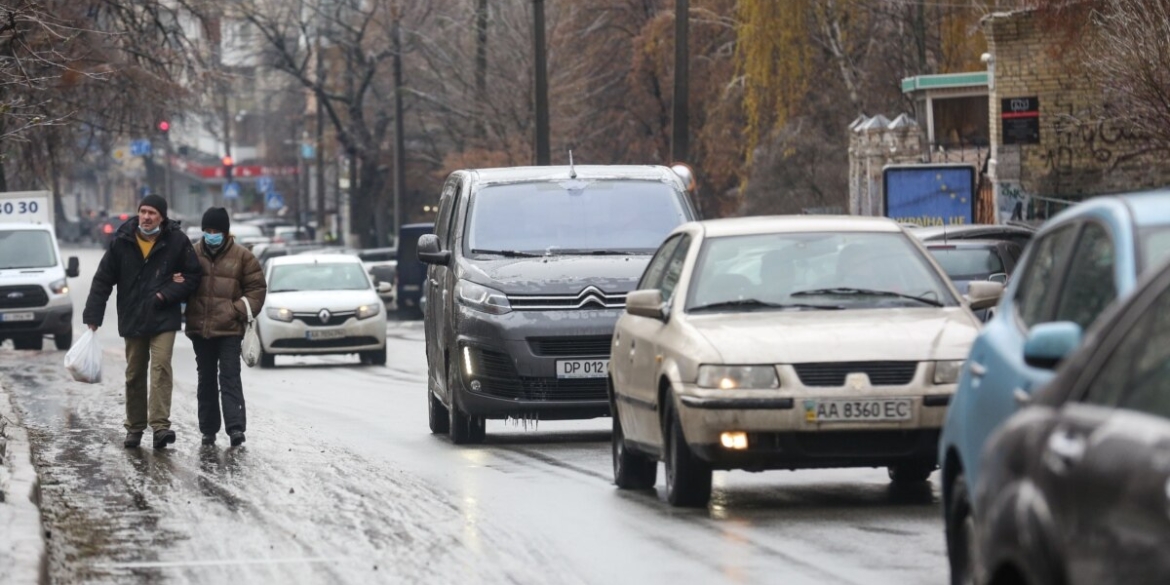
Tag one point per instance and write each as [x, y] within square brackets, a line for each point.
[163, 438]
[208, 440]
[133, 440]
[237, 438]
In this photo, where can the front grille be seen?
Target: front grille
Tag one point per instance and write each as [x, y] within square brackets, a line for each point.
[594, 345]
[23, 297]
[846, 443]
[20, 325]
[313, 320]
[590, 298]
[323, 343]
[833, 374]
[497, 377]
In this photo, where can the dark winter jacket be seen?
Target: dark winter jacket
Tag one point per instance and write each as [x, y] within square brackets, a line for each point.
[217, 308]
[140, 312]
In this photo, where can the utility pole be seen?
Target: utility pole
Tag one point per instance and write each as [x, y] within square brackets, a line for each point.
[679, 137]
[541, 50]
[399, 127]
[481, 22]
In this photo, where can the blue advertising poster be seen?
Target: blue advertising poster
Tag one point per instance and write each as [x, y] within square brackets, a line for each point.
[930, 194]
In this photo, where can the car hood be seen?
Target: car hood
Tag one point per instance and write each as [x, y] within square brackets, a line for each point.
[313, 301]
[557, 275]
[789, 337]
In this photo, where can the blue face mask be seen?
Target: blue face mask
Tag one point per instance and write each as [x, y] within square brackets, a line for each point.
[150, 232]
[213, 240]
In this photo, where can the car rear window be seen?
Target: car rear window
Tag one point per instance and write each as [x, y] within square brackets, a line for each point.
[574, 216]
[968, 263]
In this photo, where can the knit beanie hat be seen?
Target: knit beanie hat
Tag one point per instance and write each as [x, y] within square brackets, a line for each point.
[155, 201]
[216, 218]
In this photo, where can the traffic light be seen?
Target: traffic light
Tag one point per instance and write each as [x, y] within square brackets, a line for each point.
[227, 168]
[164, 127]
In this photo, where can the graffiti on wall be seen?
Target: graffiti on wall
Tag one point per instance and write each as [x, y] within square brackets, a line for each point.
[1012, 202]
[1092, 132]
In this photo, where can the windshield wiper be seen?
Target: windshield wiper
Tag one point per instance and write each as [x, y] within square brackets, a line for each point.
[280, 290]
[507, 253]
[598, 252]
[758, 304]
[866, 292]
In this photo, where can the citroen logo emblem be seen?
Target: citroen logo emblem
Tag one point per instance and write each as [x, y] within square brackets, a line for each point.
[591, 294]
[324, 315]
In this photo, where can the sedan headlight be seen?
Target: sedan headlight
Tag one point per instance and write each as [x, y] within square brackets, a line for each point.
[947, 372]
[367, 311]
[279, 314]
[59, 287]
[482, 298]
[738, 377]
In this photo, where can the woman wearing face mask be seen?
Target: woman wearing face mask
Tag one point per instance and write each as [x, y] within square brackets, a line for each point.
[216, 318]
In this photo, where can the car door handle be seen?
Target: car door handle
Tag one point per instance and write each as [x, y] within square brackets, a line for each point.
[1021, 397]
[1065, 449]
[978, 370]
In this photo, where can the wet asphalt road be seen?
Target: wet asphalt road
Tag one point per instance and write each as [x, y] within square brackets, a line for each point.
[341, 481]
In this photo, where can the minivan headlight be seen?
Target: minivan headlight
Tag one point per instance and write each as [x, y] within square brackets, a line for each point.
[367, 311]
[279, 314]
[59, 287]
[947, 372]
[482, 298]
[738, 377]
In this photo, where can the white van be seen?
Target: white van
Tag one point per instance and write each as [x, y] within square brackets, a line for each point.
[34, 292]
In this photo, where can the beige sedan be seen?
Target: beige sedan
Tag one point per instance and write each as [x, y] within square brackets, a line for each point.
[786, 343]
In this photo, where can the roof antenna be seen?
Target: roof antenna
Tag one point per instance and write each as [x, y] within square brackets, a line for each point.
[572, 170]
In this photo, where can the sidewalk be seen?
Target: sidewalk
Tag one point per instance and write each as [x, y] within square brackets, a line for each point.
[22, 547]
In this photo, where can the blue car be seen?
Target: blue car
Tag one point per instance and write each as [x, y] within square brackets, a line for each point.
[1082, 260]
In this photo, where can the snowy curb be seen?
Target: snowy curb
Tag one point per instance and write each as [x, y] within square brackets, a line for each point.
[22, 545]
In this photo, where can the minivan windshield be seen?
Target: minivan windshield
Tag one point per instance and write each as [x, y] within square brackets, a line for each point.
[26, 249]
[809, 271]
[573, 217]
[1155, 242]
[968, 263]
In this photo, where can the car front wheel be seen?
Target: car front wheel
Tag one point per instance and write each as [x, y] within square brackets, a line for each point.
[463, 428]
[688, 478]
[267, 360]
[437, 415]
[631, 471]
[960, 531]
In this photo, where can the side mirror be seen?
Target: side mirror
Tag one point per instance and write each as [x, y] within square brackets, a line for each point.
[74, 268]
[430, 252]
[646, 303]
[1000, 277]
[1049, 343]
[984, 295]
[384, 287]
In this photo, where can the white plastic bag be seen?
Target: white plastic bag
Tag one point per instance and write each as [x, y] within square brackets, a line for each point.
[84, 360]
[250, 348]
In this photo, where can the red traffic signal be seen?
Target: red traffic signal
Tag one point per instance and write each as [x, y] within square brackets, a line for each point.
[227, 161]
[227, 167]
[164, 126]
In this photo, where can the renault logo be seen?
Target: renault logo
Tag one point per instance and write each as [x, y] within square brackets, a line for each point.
[324, 315]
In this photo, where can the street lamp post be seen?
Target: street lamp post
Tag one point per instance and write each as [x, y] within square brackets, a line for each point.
[541, 78]
[679, 142]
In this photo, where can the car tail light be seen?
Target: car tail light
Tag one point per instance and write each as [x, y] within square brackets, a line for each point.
[107, 229]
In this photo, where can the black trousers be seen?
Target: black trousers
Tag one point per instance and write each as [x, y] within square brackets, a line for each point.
[218, 363]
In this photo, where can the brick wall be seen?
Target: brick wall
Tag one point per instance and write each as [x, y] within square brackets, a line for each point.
[1080, 152]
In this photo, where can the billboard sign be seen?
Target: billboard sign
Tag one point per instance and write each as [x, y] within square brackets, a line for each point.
[942, 194]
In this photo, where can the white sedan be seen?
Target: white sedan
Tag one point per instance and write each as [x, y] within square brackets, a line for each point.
[786, 343]
[321, 304]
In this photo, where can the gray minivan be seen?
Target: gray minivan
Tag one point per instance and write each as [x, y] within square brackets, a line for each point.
[528, 272]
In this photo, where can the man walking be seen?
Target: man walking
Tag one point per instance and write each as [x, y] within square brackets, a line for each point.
[216, 317]
[143, 255]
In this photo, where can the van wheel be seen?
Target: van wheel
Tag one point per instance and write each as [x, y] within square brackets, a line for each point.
[376, 357]
[631, 471]
[63, 340]
[688, 478]
[437, 415]
[267, 360]
[910, 473]
[35, 342]
[463, 428]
